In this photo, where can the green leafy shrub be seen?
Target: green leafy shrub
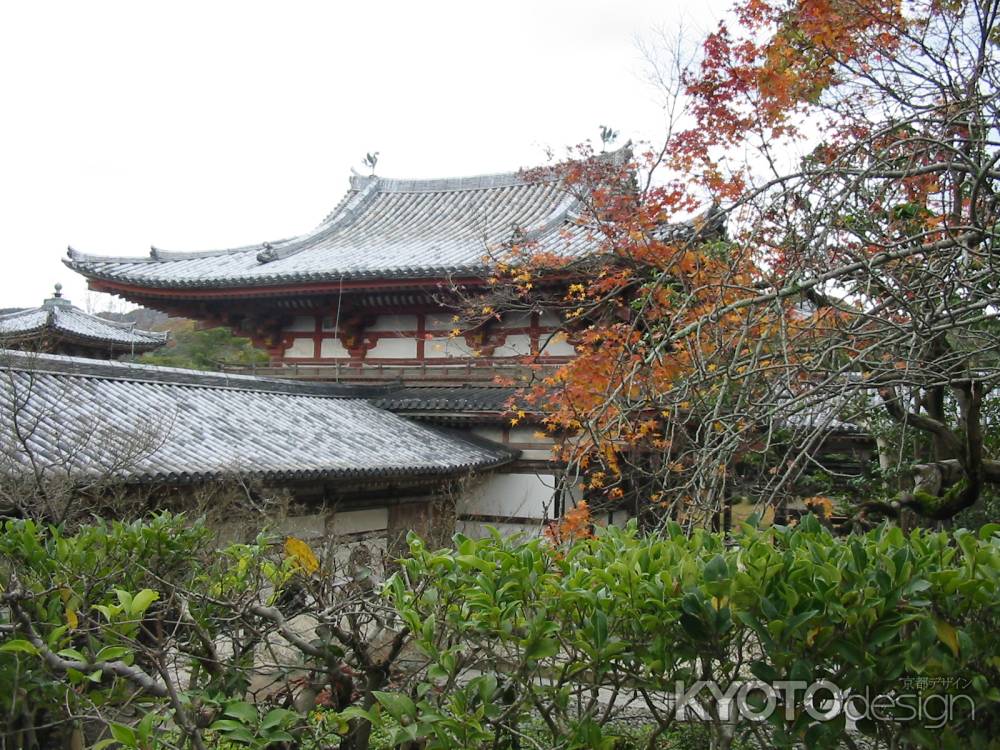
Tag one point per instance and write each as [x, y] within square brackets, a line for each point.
[147, 635]
[517, 632]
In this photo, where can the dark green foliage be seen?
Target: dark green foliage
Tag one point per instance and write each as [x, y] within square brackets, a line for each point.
[205, 349]
[519, 643]
[514, 630]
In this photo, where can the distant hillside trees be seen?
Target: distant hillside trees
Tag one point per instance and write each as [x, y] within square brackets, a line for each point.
[202, 349]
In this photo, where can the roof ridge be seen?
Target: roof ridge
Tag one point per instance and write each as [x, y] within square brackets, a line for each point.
[125, 325]
[447, 184]
[522, 176]
[158, 254]
[347, 211]
[402, 228]
[75, 256]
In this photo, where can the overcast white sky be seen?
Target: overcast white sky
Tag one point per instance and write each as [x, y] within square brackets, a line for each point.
[198, 125]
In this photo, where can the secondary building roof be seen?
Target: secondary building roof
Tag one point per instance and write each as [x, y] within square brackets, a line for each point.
[57, 321]
[465, 403]
[153, 424]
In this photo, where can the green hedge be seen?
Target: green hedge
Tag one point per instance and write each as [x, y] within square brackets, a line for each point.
[519, 633]
[516, 643]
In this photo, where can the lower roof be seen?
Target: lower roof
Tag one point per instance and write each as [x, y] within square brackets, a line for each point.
[465, 399]
[137, 423]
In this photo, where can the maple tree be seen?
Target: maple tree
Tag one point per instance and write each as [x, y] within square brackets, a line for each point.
[845, 274]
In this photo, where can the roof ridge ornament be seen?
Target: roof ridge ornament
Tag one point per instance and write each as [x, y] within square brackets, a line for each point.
[267, 253]
[56, 300]
[349, 211]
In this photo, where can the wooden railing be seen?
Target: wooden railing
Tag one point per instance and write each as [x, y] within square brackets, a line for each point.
[480, 372]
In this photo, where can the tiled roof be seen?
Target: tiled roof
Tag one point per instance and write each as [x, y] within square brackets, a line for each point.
[82, 416]
[58, 316]
[466, 399]
[402, 229]
[383, 228]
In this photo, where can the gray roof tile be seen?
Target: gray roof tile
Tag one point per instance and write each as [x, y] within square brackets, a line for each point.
[483, 399]
[83, 414]
[405, 229]
[401, 229]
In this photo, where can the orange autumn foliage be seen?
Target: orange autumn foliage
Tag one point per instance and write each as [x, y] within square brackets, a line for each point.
[575, 524]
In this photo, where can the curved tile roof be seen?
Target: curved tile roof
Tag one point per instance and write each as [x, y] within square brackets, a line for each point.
[382, 228]
[58, 316]
[157, 424]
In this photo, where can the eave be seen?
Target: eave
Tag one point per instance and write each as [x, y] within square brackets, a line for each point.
[136, 292]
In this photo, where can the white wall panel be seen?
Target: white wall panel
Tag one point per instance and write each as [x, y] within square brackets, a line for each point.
[517, 345]
[439, 321]
[301, 348]
[393, 347]
[442, 348]
[556, 346]
[524, 495]
[333, 349]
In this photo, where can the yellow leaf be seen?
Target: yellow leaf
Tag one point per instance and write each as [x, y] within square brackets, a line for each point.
[811, 636]
[946, 633]
[302, 554]
[71, 619]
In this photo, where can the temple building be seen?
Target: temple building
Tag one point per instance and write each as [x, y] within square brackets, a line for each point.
[57, 327]
[367, 297]
[364, 290]
[212, 443]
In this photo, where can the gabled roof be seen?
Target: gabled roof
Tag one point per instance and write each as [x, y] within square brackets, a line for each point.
[58, 317]
[156, 424]
[382, 228]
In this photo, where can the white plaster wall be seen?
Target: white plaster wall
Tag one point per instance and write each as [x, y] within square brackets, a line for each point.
[401, 348]
[301, 347]
[526, 495]
[333, 349]
[556, 346]
[439, 321]
[439, 348]
[394, 323]
[303, 323]
[532, 435]
[517, 345]
[309, 527]
[528, 434]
